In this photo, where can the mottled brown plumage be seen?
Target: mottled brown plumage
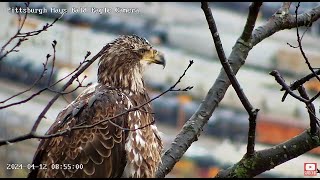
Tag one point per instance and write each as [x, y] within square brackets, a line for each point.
[106, 150]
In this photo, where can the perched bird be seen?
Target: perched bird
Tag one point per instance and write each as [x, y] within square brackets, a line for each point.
[107, 150]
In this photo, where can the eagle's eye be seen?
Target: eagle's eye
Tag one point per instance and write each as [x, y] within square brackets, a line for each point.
[142, 51]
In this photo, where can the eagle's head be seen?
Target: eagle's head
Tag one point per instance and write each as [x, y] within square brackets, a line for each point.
[122, 64]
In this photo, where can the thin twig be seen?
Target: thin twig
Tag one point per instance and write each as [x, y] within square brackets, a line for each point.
[80, 85]
[25, 100]
[23, 36]
[49, 88]
[21, 24]
[281, 81]
[303, 80]
[68, 92]
[76, 69]
[311, 111]
[308, 27]
[296, 84]
[288, 90]
[54, 44]
[292, 46]
[32, 86]
[300, 45]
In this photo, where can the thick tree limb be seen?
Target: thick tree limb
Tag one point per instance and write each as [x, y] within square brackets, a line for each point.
[267, 159]
[277, 23]
[191, 130]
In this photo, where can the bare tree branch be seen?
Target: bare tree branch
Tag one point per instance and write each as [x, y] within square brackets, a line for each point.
[297, 83]
[287, 88]
[23, 36]
[76, 69]
[309, 105]
[303, 80]
[49, 86]
[192, 128]
[300, 45]
[251, 21]
[282, 82]
[20, 25]
[32, 86]
[54, 44]
[254, 10]
[80, 85]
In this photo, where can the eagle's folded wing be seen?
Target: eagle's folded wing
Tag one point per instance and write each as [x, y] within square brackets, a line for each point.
[99, 150]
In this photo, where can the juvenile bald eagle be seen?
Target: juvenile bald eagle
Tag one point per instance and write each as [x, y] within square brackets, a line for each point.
[106, 150]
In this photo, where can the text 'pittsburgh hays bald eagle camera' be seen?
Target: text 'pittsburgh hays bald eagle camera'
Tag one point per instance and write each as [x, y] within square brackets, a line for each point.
[107, 150]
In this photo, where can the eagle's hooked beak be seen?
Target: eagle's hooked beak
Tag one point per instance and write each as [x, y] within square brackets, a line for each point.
[159, 59]
[153, 56]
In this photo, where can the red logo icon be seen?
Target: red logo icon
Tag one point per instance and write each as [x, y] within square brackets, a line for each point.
[310, 169]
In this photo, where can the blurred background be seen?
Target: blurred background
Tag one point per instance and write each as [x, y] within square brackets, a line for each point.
[181, 32]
